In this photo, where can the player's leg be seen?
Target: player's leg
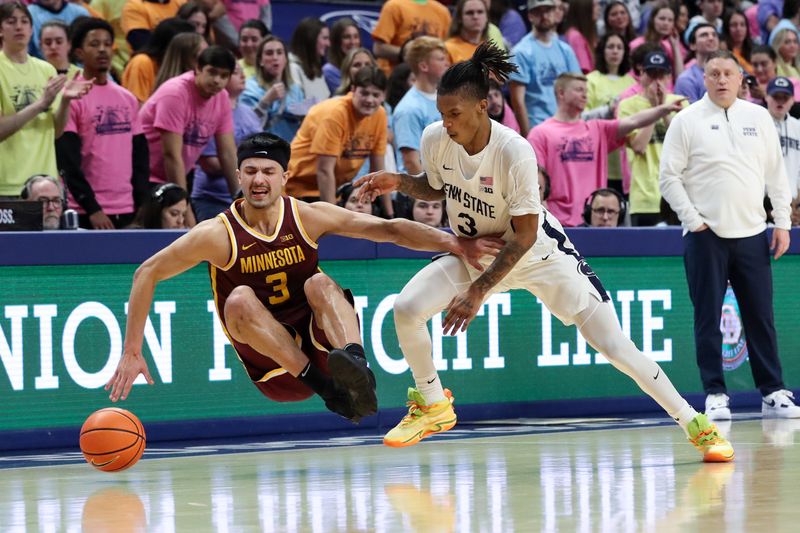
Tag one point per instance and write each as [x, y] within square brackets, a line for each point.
[427, 293]
[347, 363]
[249, 322]
[598, 325]
[571, 290]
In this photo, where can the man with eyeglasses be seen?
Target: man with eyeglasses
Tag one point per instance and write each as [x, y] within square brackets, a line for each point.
[604, 210]
[49, 191]
[720, 154]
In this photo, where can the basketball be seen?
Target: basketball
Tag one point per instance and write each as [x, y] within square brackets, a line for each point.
[112, 439]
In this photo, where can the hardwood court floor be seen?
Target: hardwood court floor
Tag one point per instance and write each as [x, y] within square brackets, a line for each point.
[640, 477]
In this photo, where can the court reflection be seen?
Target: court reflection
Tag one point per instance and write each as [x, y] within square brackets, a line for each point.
[645, 479]
[114, 509]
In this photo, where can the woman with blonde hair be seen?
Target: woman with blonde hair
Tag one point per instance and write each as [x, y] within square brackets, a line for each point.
[181, 56]
[355, 60]
[785, 44]
[272, 93]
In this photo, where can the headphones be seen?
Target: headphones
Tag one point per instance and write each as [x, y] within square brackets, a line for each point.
[587, 206]
[26, 192]
[158, 194]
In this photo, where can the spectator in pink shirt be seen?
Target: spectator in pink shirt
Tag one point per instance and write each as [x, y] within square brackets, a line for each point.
[103, 152]
[184, 114]
[574, 152]
[239, 11]
[581, 31]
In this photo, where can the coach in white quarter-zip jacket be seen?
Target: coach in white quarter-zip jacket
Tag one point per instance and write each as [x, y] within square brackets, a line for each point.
[720, 156]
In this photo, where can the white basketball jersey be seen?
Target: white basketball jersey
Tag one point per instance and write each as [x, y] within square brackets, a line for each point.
[485, 190]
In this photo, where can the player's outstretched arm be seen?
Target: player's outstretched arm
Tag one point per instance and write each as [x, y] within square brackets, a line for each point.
[208, 241]
[383, 182]
[322, 218]
[463, 308]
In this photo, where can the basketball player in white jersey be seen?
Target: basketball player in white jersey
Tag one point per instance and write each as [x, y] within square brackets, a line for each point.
[488, 175]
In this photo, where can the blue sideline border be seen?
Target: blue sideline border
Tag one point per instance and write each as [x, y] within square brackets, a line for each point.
[134, 246]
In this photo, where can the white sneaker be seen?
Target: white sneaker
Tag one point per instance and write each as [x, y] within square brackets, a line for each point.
[779, 404]
[718, 407]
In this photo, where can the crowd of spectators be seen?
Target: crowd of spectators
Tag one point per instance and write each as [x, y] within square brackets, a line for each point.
[132, 108]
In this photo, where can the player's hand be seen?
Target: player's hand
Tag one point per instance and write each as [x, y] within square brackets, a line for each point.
[471, 250]
[100, 220]
[130, 366]
[461, 310]
[702, 227]
[375, 184]
[780, 242]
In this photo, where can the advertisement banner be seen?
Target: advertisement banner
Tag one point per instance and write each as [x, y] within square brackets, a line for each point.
[62, 327]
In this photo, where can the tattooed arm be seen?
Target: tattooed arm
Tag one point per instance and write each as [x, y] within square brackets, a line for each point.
[378, 183]
[463, 308]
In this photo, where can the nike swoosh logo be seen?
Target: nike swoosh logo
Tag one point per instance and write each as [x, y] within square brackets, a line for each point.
[445, 167]
[771, 403]
[247, 246]
[545, 257]
[431, 381]
[657, 374]
[103, 464]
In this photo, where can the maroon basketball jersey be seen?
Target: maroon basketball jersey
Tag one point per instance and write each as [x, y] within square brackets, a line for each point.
[276, 267]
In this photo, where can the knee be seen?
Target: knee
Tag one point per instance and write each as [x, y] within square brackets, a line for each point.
[237, 309]
[318, 288]
[408, 308]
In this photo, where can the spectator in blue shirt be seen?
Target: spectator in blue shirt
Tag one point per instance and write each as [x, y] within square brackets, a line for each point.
[427, 57]
[540, 57]
[703, 41]
[45, 10]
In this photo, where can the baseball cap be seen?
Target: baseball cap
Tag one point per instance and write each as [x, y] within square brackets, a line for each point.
[656, 60]
[533, 4]
[780, 85]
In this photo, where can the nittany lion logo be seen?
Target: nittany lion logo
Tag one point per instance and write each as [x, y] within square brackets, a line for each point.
[585, 269]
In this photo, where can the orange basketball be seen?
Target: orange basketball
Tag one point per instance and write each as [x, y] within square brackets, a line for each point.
[112, 439]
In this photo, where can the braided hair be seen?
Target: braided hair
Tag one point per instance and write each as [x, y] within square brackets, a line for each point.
[472, 77]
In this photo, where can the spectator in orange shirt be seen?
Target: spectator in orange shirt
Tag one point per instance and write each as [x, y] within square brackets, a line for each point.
[140, 18]
[403, 20]
[470, 28]
[337, 136]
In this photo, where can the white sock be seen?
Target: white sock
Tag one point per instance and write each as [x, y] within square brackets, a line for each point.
[431, 388]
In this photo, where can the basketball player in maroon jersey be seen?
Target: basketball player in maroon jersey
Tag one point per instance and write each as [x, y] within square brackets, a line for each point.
[294, 329]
